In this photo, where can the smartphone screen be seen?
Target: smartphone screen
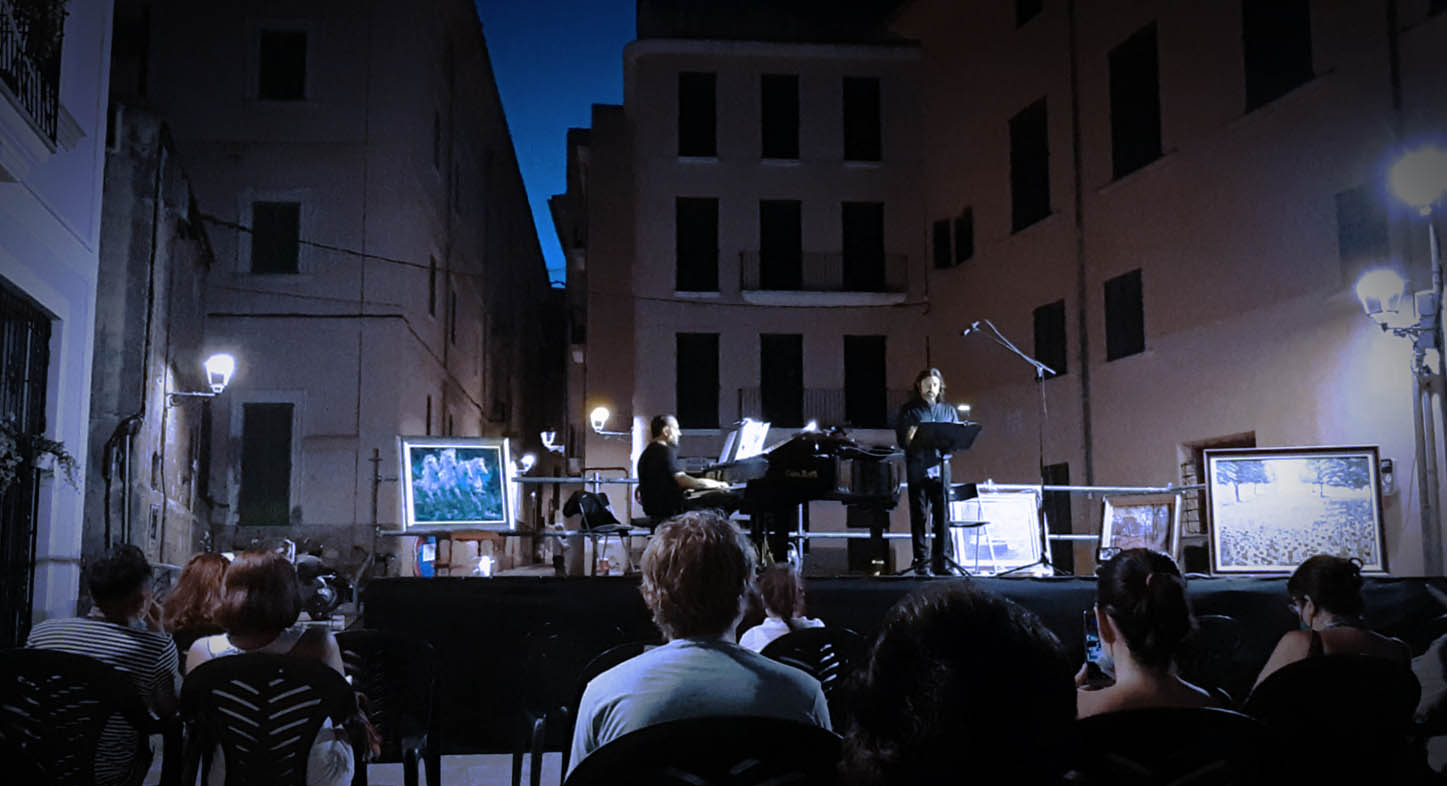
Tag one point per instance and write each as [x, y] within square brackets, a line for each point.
[1092, 637]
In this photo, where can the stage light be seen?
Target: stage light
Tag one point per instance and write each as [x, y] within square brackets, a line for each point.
[811, 426]
[964, 410]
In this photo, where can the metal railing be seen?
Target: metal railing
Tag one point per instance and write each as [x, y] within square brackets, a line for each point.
[828, 406]
[31, 33]
[820, 272]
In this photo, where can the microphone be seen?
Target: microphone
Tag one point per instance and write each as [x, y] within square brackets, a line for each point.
[973, 328]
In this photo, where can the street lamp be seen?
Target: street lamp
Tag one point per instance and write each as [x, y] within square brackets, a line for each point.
[219, 369]
[598, 418]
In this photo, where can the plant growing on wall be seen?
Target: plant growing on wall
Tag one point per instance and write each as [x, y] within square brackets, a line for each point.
[19, 450]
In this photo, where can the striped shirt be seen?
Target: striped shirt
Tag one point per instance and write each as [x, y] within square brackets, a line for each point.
[148, 658]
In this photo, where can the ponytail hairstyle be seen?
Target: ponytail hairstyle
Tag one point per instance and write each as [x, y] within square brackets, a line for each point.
[1334, 584]
[783, 593]
[1145, 595]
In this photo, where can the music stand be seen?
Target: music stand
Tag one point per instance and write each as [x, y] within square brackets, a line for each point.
[945, 438]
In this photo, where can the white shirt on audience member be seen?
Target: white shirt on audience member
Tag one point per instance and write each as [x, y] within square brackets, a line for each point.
[759, 636]
[690, 678]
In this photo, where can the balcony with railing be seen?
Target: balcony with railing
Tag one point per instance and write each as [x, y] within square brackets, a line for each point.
[31, 32]
[786, 408]
[835, 276]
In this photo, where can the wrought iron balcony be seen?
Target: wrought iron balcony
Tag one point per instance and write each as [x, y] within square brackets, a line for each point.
[817, 272]
[31, 32]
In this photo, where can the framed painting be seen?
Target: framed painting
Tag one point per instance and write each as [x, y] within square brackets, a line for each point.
[1271, 508]
[1150, 521]
[999, 531]
[456, 483]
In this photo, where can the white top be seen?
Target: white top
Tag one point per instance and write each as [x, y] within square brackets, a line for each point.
[759, 636]
[692, 678]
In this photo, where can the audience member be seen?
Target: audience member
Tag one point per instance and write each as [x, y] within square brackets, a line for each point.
[124, 631]
[258, 607]
[1326, 594]
[961, 684]
[188, 607]
[782, 591]
[696, 575]
[1143, 617]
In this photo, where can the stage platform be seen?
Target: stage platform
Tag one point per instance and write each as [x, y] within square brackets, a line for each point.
[511, 645]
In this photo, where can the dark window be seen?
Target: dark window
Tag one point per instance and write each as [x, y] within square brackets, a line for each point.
[1125, 320]
[265, 496]
[1055, 505]
[1135, 102]
[437, 141]
[696, 380]
[865, 391]
[940, 235]
[781, 245]
[275, 237]
[1361, 226]
[432, 285]
[696, 244]
[964, 235]
[1436, 7]
[1029, 167]
[781, 378]
[1050, 336]
[1276, 43]
[697, 126]
[281, 74]
[779, 112]
[863, 246]
[1025, 10]
[862, 138]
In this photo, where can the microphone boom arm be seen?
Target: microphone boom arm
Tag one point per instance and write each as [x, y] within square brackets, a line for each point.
[1040, 368]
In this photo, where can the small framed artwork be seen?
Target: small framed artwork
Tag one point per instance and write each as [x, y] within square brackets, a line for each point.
[1148, 521]
[999, 531]
[1272, 508]
[456, 483]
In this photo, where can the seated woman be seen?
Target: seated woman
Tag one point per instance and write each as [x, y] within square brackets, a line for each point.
[782, 591]
[258, 607]
[1326, 594]
[1143, 615]
[187, 610]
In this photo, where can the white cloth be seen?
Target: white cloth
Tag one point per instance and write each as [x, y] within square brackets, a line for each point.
[329, 762]
[759, 636]
[691, 678]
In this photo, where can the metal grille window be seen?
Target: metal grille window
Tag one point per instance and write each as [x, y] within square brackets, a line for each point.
[24, 360]
[30, 37]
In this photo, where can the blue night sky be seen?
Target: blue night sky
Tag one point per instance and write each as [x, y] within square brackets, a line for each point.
[554, 59]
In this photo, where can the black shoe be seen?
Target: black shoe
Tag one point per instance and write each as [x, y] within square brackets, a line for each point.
[920, 570]
[941, 571]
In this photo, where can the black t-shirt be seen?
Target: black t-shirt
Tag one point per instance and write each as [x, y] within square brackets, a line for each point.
[660, 491]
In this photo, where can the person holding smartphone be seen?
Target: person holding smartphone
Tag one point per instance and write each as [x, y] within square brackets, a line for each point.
[1142, 616]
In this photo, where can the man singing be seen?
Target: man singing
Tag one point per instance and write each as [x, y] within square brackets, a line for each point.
[922, 469]
[662, 481]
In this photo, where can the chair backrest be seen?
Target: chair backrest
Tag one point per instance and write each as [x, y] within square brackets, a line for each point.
[1175, 745]
[1208, 656]
[398, 676]
[264, 711]
[53, 707]
[1354, 697]
[830, 654]
[715, 751]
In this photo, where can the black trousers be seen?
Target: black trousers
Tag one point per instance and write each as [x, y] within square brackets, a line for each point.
[925, 498]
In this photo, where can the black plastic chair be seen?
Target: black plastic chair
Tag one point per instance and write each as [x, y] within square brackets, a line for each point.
[715, 751]
[1208, 656]
[567, 714]
[53, 709]
[830, 654]
[1174, 745]
[1358, 705]
[264, 712]
[398, 677]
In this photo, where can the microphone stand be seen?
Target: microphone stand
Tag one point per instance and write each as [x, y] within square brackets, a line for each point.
[1040, 371]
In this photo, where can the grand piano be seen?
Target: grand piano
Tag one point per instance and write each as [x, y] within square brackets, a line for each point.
[807, 467]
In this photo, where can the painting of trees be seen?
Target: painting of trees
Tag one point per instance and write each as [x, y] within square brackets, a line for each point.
[1240, 472]
[1341, 472]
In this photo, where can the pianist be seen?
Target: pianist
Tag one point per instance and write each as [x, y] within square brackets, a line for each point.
[922, 469]
[665, 489]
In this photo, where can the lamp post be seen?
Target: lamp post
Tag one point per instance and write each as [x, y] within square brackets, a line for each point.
[598, 418]
[1419, 179]
[219, 369]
